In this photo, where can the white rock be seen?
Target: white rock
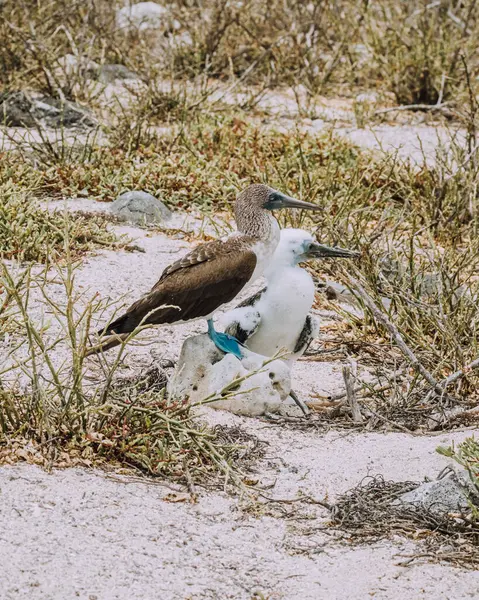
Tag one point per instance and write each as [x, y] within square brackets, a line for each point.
[145, 15]
[452, 493]
[204, 370]
[182, 39]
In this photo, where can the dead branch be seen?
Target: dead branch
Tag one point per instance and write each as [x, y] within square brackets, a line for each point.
[349, 375]
[458, 374]
[385, 322]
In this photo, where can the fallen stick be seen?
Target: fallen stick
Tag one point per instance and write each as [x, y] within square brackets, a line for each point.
[395, 375]
[448, 417]
[349, 375]
[458, 374]
[421, 107]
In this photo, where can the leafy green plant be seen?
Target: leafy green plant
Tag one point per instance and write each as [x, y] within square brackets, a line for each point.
[467, 455]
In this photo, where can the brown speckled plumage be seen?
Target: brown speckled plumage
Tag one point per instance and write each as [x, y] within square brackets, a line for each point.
[192, 287]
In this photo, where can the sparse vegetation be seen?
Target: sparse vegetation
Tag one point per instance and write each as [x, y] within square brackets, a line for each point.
[29, 232]
[412, 49]
[374, 509]
[54, 407]
[467, 455]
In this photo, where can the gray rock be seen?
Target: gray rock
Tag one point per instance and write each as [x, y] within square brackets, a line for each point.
[140, 208]
[449, 494]
[20, 109]
[113, 72]
[203, 370]
[55, 113]
[16, 110]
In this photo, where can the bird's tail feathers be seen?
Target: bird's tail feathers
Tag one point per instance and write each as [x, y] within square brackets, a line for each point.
[123, 328]
[115, 327]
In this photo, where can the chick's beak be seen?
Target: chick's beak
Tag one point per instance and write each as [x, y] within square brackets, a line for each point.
[322, 251]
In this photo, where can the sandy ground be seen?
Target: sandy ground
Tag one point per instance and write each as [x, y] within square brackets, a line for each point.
[412, 136]
[81, 534]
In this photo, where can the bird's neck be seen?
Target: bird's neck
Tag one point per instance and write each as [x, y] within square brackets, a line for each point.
[259, 224]
[280, 266]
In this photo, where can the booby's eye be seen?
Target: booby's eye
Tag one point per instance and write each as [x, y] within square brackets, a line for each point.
[276, 200]
[273, 201]
[307, 246]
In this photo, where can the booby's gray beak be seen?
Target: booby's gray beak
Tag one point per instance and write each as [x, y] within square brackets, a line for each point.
[322, 251]
[278, 200]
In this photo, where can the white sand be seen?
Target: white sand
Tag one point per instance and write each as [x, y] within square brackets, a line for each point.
[77, 533]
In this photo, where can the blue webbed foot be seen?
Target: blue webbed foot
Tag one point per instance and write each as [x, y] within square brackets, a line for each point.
[225, 342]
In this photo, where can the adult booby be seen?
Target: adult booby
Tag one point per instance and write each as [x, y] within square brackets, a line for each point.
[212, 274]
[278, 316]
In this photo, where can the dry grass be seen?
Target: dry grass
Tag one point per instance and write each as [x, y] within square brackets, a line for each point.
[411, 49]
[373, 510]
[30, 233]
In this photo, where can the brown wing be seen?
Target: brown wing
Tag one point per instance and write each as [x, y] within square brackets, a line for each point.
[202, 253]
[191, 288]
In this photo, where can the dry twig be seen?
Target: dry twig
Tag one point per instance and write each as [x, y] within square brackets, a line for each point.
[349, 375]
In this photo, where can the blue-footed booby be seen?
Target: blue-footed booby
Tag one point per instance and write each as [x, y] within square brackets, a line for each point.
[212, 274]
[278, 317]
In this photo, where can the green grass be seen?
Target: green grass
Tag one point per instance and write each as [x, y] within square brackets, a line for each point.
[29, 232]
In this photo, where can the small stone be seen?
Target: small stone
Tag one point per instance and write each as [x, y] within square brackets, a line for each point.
[331, 293]
[337, 292]
[110, 73]
[449, 494]
[56, 113]
[20, 109]
[16, 110]
[140, 208]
